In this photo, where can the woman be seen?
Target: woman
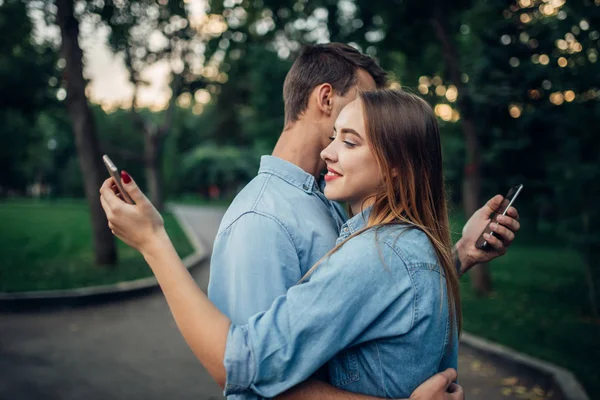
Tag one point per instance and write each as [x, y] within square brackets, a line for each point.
[382, 308]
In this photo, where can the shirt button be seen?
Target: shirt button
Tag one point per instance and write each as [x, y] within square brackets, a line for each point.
[345, 229]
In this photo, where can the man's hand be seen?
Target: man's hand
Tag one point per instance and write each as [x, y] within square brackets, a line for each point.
[505, 228]
[441, 386]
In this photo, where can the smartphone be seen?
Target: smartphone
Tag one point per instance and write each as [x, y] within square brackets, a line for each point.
[508, 201]
[114, 172]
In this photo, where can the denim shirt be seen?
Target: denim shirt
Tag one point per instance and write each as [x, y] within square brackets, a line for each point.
[276, 228]
[375, 311]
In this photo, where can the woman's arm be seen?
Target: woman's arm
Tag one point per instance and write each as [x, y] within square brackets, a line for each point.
[202, 325]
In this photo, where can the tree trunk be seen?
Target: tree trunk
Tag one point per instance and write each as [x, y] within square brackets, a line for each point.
[480, 277]
[85, 133]
[152, 155]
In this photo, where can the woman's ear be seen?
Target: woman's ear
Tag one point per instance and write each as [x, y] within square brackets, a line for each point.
[325, 98]
[395, 172]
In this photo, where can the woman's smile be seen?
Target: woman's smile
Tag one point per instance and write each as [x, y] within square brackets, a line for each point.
[331, 174]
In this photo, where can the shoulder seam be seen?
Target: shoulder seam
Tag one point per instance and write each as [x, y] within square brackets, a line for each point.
[251, 210]
[271, 217]
[260, 193]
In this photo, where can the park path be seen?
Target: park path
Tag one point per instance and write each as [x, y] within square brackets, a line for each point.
[131, 349]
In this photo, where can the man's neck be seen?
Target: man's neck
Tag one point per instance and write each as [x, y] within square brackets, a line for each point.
[301, 145]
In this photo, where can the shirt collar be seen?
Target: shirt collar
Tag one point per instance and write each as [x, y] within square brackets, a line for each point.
[356, 223]
[291, 173]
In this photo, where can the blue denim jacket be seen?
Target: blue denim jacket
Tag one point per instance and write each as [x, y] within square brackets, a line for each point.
[277, 227]
[375, 311]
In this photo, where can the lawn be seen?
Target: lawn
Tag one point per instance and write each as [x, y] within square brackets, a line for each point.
[47, 245]
[539, 307]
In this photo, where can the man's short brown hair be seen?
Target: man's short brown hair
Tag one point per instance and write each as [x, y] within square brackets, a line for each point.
[333, 63]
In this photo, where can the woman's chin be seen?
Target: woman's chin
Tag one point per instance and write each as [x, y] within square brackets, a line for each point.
[333, 196]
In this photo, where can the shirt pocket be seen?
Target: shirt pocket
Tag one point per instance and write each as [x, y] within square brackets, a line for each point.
[343, 368]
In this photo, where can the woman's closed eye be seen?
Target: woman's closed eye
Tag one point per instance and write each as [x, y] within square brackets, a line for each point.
[348, 143]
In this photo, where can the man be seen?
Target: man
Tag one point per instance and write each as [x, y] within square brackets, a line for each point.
[281, 224]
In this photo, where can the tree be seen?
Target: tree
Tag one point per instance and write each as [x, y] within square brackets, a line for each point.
[85, 133]
[136, 28]
[26, 68]
[540, 81]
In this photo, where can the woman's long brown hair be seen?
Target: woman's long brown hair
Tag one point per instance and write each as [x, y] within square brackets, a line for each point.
[404, 136]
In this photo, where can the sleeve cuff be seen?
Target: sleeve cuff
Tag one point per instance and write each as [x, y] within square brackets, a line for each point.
[239, 361]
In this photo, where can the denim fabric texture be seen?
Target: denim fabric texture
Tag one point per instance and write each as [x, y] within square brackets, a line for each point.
[375, 312]
[275, 229]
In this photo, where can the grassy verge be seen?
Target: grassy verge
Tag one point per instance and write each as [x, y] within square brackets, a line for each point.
[539, 307]
[47, 245]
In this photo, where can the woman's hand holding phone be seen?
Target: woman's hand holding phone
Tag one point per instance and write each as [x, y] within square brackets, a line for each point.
[139, 225]
[117, 186]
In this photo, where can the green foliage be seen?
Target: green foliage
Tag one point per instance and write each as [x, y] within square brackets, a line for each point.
[263, 113]
[226, 167]
[545, 71]
[28, 79]
[26, 67]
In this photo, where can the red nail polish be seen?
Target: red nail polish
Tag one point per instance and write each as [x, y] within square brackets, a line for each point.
[125, 176]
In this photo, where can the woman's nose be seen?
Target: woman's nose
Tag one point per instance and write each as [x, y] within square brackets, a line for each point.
[328, 153]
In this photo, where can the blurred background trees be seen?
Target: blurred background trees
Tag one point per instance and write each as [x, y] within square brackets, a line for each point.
[514, 84]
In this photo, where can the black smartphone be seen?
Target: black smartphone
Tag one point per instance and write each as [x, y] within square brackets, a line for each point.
[508, 201]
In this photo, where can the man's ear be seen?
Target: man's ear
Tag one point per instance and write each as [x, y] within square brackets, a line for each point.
[325, 98]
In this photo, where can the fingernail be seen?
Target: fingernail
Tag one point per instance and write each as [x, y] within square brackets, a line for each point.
[125, 176]
[486, 236]
[493, 226]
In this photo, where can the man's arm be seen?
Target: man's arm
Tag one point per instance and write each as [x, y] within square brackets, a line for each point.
[438, 387]
[466, 255]
[319, 390]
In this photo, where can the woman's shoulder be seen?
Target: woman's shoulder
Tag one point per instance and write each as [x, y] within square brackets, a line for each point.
[409, 243]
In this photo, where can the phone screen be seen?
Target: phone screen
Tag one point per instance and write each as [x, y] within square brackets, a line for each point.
[508, 201]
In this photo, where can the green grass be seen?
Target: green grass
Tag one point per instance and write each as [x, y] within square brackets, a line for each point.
[539, 307]
[47, 245]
